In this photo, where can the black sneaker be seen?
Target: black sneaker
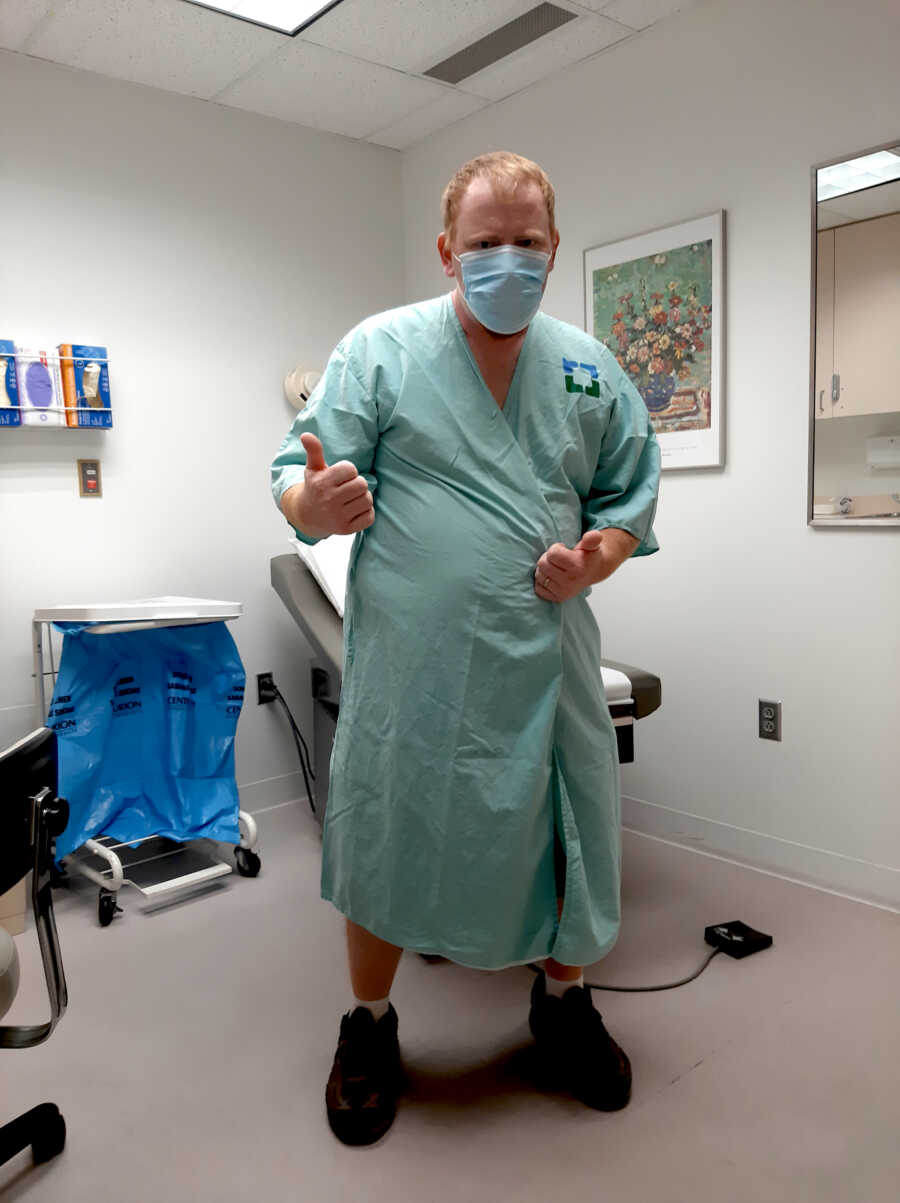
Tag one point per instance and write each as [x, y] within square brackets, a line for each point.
[575, 1048]
[366, 1078]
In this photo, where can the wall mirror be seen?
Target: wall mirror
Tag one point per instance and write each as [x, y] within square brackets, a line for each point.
[854, 439]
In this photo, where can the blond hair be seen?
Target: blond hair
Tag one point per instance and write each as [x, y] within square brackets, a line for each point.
[506, 171]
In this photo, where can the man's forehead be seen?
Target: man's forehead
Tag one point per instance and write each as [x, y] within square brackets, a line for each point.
[484, 200]
[485, 191]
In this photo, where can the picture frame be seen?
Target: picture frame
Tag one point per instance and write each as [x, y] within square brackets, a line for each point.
[657, 300]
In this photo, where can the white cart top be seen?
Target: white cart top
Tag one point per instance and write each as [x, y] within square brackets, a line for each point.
[146, 609]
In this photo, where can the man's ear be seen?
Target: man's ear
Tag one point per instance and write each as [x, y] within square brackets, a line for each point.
[446, 255]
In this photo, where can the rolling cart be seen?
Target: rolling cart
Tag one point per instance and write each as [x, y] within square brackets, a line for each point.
[161, 869]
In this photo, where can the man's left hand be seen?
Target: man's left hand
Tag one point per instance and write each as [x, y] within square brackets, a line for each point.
[563, 572]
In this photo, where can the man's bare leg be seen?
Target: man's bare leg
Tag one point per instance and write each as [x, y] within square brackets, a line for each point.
[373, 963]
[562, 973]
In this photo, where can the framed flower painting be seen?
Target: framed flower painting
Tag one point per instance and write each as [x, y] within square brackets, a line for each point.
[656, 301]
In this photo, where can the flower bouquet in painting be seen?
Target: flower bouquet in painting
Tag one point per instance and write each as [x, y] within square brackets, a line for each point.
[655, 315]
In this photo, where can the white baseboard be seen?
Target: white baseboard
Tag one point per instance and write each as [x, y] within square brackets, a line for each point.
[862, 881]
[271, 791]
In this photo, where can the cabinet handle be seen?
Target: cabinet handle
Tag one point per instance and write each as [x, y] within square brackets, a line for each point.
[835, 389]
[821, 404]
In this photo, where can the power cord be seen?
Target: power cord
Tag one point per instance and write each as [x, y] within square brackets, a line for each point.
[736, 939]
[302, 749]
[643, 989]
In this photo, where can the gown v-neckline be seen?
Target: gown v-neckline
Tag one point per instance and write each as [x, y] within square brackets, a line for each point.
[512, 391]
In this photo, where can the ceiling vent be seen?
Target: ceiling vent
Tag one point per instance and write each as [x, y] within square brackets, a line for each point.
[503, 41]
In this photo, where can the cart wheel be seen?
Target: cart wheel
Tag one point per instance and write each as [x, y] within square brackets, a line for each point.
[51, 1139]
[247, 862]
[106, 907]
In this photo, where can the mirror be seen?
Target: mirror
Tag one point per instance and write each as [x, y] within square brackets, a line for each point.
[854, 469]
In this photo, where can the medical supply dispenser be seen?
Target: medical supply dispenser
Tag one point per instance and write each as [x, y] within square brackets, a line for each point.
[68, 386]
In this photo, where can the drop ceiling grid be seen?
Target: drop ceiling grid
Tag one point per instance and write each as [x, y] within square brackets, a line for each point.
[319, 87]
[18, 18]
[553, 52]
[165, 44]
[411, 35]
[638, 14]
[356, 72]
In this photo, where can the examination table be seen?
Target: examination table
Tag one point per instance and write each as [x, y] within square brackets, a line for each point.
[631, 693]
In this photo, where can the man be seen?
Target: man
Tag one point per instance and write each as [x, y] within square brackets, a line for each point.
[495, 464]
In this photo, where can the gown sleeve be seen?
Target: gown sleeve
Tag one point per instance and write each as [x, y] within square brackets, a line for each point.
[626, 481]
[343, 415]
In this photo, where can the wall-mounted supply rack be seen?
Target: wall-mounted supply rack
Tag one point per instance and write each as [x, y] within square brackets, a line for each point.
[67, 387]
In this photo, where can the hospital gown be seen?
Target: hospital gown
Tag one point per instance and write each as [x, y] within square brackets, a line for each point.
[473, 727]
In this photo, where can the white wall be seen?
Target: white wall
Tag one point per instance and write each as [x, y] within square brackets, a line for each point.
[728, 106]
[211, 251]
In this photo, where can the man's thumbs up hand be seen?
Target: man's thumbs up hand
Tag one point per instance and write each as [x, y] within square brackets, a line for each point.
[563, 572]
[332, 500]
[591, 540]
[315, 455]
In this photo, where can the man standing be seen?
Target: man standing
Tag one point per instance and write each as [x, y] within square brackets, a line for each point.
[495, 463]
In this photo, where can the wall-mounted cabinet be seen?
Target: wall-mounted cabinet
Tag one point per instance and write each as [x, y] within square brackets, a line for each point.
[857, 319]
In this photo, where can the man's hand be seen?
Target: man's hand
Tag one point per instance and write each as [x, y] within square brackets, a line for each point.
[564, 572]
[331, 500]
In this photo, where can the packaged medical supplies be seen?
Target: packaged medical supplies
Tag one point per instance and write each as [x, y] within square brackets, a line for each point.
[9, 389]
[40, 387]
[85, 381]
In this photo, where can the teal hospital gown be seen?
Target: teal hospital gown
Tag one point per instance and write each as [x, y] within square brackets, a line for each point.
[473, 729]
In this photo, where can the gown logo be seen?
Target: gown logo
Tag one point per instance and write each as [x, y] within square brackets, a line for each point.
[581, 377]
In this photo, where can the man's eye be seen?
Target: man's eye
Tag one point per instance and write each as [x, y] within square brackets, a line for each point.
[526, 242]
[485, 244]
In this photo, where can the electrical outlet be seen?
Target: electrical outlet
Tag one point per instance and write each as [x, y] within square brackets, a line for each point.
[265, 688]
[769, 720]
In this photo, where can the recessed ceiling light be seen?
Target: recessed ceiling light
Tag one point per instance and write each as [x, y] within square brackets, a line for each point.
[284, 16]
[856, 174]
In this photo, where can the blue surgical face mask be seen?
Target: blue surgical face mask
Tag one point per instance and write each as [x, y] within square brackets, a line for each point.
[502, 286]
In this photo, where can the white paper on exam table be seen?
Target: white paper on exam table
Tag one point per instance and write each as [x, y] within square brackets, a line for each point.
[328, 561]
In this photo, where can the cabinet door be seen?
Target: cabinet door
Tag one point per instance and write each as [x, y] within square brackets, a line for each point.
[867, 315]
[824, 323]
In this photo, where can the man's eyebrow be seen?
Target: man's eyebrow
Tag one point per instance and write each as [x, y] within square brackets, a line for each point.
[483, 235]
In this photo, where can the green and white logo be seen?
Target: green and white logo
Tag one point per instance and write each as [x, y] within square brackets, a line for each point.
[581, 377]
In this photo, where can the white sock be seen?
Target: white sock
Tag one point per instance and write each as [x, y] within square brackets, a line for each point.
[378, 1008]
[558, 988]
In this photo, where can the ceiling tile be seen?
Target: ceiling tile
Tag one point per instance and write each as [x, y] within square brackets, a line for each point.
[318, 87]
[18, 18]
[452, 106]
[565, 46]
[637, 14]
[411, 35]
[164, 43]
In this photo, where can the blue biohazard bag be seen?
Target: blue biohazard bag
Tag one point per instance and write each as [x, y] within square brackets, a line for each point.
[145, 724]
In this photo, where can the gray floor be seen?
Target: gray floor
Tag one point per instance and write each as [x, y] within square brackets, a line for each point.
[192, 1061]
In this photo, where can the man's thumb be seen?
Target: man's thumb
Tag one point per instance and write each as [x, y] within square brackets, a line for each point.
[315, 458]
[590, 541]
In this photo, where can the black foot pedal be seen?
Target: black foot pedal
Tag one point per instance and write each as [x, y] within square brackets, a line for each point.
[737, 939]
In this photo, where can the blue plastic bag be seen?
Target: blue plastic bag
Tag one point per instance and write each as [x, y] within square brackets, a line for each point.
[145, 724]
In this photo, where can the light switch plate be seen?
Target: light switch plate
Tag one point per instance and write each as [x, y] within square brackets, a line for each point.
[89, 484]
